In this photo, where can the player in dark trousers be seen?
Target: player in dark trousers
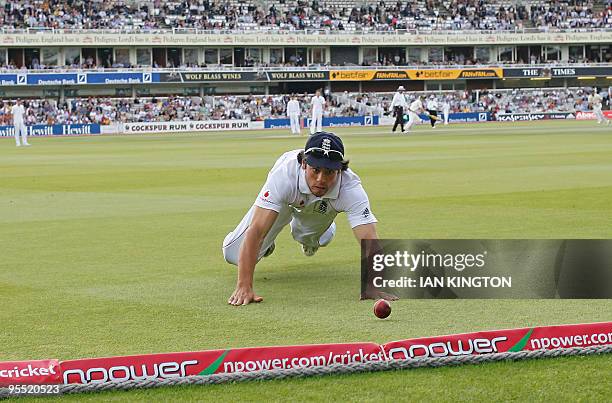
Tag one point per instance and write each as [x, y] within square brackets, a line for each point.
[432, 108]
[398, 104]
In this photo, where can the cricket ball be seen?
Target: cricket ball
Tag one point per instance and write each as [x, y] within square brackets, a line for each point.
[382, 309]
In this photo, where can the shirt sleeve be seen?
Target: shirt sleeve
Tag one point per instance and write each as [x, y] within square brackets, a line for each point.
[357, 207]
[275, 193]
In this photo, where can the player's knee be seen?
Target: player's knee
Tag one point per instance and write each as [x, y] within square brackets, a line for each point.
[230, 250]
[230, 256]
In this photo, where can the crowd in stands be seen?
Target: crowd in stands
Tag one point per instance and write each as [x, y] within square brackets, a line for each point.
[258, 107]
[572, 14]
[109, 110]
[291, 15]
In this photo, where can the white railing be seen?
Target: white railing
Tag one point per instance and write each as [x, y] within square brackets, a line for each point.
[276, 30]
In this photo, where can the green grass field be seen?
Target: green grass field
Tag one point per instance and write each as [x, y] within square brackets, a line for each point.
[111, 246]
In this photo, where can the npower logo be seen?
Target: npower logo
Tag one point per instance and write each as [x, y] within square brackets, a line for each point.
[170, 369]
[447, 348]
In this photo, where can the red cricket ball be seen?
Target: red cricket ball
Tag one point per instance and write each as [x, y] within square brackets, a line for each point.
[382, 309]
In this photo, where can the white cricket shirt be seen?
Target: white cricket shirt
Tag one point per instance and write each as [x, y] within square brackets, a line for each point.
[287, 192]
[595, 99]
[18, 111]
[293, 107]
[416, 106]
[399, 100]
[317, 103]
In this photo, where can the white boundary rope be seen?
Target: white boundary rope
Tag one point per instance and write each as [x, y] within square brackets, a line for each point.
[318, 371]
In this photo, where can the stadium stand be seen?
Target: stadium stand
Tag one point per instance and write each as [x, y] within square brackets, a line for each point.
[169, 94]
[426, 17]
[337, 15]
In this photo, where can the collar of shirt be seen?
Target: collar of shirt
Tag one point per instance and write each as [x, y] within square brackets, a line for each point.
[331, 193]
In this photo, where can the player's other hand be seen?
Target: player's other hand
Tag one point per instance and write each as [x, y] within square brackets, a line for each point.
[243, 296]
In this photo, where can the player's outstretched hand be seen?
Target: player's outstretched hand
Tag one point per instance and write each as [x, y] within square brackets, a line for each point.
[243, 296]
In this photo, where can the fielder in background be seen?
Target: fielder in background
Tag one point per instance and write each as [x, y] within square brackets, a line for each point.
[432, 109]
[293, 112]
[595, 103]
[306, 189]
[318, 104]
[446, 110]
[18, 111]
[414, 109]
[398, 106]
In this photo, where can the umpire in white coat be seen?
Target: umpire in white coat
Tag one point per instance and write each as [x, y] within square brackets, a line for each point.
[398, 105]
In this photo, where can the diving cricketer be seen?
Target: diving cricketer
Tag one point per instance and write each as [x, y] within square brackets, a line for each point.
[305, 189]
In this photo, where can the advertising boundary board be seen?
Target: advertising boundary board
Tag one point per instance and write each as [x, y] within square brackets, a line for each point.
[337, 121]
[175, 365]
[76, 129]
[459, 117]
[590, 115]
[35, 372]
[497, 341]
[281, 123]
[183, 127]
[524, 117]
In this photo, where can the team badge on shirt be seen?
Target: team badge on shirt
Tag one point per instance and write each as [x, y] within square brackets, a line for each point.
[322, 207]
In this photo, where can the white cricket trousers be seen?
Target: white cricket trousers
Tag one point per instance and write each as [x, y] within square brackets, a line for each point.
[413, 119]
[599, 114]
[233, 240]
[20, 128]
[295, 123]
[316, 125]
